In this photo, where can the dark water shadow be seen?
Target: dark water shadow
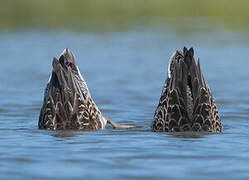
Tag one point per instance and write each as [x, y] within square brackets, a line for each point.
[65, 134]
[191, 134]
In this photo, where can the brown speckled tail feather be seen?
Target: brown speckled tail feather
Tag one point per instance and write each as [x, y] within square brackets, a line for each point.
[67, 100]
[186, 103]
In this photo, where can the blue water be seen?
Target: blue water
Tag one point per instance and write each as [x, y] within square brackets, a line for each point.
[125, 72]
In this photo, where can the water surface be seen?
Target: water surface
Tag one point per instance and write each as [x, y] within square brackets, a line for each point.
[125, 72]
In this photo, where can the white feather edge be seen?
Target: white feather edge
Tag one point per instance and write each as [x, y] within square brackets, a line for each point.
[169, 65]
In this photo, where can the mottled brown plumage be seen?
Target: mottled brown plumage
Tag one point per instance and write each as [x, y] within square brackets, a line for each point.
[186, 103]
[67, 100]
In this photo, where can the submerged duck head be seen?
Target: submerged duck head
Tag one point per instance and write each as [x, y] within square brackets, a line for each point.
[186, 103]
[67, 100]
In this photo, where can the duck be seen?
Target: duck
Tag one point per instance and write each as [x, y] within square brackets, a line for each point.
[67, 103]
[186, 102]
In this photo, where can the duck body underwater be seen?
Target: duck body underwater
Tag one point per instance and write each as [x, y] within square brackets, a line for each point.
[67, 103]
[186, 103]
